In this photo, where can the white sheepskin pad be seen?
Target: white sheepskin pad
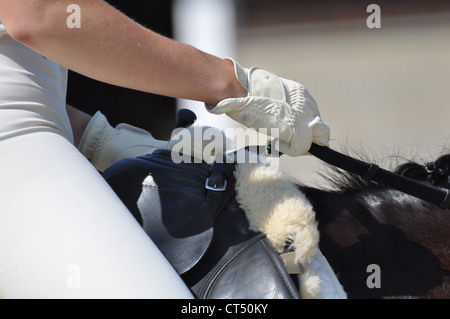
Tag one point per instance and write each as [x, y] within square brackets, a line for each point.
[276, 207]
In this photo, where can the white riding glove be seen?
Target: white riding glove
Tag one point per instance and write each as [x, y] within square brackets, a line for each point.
[104, 145]
[274, 102]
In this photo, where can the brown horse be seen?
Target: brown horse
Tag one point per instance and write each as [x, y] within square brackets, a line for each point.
[382, 243]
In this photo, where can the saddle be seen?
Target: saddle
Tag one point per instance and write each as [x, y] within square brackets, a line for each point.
[191, 212]
[236, 231]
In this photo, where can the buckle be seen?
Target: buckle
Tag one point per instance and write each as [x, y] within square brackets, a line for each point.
[215, 188]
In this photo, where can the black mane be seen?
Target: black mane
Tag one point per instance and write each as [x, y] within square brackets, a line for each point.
[435, 173]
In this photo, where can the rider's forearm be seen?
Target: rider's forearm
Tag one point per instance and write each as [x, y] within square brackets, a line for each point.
[112, 48]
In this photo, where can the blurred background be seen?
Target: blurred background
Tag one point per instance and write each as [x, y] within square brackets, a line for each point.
[383, 91]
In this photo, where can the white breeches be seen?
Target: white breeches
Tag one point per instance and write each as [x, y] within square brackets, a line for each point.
[63, 231]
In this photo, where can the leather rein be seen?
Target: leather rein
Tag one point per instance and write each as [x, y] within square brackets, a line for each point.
[436, 195]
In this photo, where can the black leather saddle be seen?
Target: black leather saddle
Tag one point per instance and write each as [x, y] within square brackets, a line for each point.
[190, 211]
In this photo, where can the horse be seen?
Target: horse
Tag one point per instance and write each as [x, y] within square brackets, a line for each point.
[383, 243]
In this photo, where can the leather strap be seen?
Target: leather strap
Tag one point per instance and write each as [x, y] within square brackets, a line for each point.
[292, 267]
[435, 195]
[219, 186]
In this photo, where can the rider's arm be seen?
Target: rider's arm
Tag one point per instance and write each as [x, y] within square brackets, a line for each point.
[112, 48]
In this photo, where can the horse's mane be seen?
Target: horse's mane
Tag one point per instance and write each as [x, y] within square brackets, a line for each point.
[435, 173]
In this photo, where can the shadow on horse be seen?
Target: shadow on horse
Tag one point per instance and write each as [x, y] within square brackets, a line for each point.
[383, 243]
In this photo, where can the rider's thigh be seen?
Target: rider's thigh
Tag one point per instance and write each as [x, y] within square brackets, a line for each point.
[65, 234]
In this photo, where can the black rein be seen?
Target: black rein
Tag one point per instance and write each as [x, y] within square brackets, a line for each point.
[435, 195]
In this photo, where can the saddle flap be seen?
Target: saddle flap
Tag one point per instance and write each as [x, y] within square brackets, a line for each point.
[179, 223]
[169, 201]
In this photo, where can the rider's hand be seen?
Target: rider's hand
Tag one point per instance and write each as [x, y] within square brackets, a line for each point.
[103, 145]
[274, 102]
